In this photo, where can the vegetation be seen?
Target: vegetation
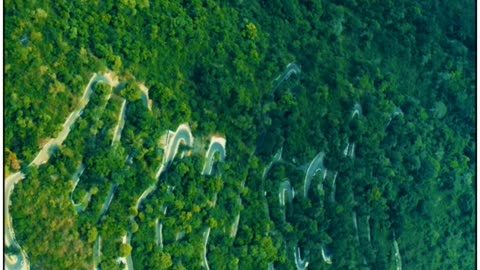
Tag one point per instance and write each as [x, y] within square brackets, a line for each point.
[213, 65]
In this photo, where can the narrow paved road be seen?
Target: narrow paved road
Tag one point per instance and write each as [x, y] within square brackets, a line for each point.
[291, 69]
[285, 188]
[42, 157]
[182, 134]
[395, 113]
[315, 166]
[277, 157]
[206, 234]
[117, 134]
[300, 263]
[369, 234]
[357, 110]
[81, 206]
[334, 188]
[326, 257]
[45, 152]
[97, 246]
[145, 98]
[76, 178]
[398, 258]
[12, 262]
[234, 230]
[355, 225]
[217, 145]
[159, 233]
[107, 202]
[349, 150]
[128, 260]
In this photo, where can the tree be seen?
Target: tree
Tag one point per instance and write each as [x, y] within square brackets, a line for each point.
[92, 235]
[125, 250]
[131, 92]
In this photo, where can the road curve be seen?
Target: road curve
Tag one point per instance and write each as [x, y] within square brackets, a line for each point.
[12, 262]
[285, 187]
[326, 257]
[277, 157]
[357, 110]
[217, 145]
[291, 69]
[182, 134]
[145, 98]
[44, 154]
[76, 178]
[395, 113]
[300, 263]
[315, 165]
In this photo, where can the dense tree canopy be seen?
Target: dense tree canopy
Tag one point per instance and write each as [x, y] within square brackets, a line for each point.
[383, 88]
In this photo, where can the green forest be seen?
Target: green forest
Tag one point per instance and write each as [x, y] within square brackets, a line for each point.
[349, 126]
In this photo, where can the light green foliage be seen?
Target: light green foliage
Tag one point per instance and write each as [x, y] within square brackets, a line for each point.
[440, 109]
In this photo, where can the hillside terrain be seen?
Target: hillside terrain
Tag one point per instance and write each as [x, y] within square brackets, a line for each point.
[239, 134]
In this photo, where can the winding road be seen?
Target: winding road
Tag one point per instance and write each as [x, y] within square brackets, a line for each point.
[292, 68]
[313, 168]
[369, 234]
[349, 150]
[326, 257]
[355, 225]
[97, 247]
[395, 113]
[357, 110]
[107, 202]
[206, 234]
[117, 134]
[277, 157]
[12, 261]
[334, 188]
[217, 145]
[182, 134]
[234, 230]
[300, 263]
[285, 187]
[398, 258]
[159, 233]
[76, 178]
[145, 98]
[20, 262]
[128, 259]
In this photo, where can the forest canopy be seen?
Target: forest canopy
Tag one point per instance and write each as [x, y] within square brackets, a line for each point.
[349, 127]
